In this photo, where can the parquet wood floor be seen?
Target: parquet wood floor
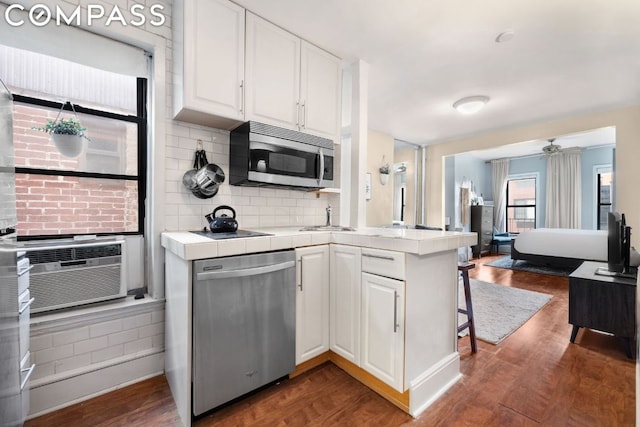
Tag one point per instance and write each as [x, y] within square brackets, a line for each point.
[536, 377]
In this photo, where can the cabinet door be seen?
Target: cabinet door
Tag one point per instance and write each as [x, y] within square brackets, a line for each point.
[320, 76]
[312, 302]
[382, 351]
[345, 301]
[273, 74]
[213, 61]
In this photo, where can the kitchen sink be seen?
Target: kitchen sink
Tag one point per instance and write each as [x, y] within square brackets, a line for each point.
[327, 228]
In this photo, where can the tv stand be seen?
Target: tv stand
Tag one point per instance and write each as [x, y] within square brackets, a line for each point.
[604, 271]
[602, 302]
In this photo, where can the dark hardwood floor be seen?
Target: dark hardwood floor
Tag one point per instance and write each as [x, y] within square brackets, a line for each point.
[534, 377]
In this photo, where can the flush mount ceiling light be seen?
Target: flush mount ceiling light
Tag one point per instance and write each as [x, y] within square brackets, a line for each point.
[505, 36]
[470, 104]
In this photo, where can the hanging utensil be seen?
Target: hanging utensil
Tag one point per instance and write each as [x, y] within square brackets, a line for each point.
[188, 179]
[208, 178]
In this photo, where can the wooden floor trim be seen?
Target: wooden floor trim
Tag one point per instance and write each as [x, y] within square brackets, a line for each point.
[310, 364]
[401, 400]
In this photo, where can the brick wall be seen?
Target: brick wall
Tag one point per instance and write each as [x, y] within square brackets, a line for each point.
[50, 205]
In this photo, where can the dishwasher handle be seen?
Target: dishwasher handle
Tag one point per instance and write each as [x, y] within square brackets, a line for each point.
[244, 272]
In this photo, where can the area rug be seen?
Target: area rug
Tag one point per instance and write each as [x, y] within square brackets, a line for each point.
[520, 265]
[499, 310]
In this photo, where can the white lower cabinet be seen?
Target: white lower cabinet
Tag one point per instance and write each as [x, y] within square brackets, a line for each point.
[345, 301]
[312, 302]
[382, 333]
[367, 311]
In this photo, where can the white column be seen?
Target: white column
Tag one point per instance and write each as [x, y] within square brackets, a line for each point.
[359, 130]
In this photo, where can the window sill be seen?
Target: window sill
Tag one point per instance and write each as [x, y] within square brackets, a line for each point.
[62, 320]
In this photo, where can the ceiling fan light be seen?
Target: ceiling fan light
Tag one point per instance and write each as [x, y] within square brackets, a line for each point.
[470, 104]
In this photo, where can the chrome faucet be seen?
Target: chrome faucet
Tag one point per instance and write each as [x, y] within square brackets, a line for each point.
[329, 217]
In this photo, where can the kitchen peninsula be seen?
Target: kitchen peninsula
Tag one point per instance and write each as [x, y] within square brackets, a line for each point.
[389, 320]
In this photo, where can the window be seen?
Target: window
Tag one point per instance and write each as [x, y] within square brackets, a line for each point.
[521, 205]
[102, 191]
[603, 195]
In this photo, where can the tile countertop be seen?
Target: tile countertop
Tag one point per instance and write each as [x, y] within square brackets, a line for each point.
[190, 246]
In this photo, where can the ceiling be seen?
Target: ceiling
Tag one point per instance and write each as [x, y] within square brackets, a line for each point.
[589, 139]
[567, 57]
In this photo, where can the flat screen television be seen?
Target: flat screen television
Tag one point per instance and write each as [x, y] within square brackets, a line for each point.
[618, 243]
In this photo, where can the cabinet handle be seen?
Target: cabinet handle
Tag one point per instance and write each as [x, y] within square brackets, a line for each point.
[396, 325]
[300, 284]
[242, 96]
[24, 305]
[387, 258]
[298, 115]
[304, 114]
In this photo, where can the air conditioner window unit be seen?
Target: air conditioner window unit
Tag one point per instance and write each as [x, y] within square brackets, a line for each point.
[68, 274]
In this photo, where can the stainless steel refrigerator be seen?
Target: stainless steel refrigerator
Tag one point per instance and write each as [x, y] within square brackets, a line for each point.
[12, 411]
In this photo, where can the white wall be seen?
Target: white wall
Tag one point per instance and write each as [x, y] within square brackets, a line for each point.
[380, 206]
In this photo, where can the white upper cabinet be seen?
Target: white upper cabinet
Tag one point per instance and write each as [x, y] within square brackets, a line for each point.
[208, 40]
[319, 92]
[312, 302]
[290, 83]
[273, 74]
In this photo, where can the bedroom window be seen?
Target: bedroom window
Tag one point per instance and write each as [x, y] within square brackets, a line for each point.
[604, 198]
[521, 205]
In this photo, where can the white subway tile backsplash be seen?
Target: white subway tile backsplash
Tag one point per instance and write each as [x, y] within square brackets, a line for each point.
[107, 353]
[157, 316]
[90, 345]
[53, 353]
[67, 337]
[42, 370]
[180, 146]
[150, 330]
[249, 191]
[138, 345]
[137, 321]
[73, 362]
[157, 341]
[123, 337]
[40, 342]
[105, 328]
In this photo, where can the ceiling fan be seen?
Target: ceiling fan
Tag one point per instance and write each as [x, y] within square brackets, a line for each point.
[551, 148]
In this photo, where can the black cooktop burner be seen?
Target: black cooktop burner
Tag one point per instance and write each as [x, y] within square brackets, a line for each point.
[235, 235]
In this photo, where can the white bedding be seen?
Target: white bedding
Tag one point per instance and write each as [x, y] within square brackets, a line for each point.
[564, 242]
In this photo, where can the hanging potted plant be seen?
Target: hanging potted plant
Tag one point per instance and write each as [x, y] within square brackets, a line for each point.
[67, 134]
[384, 173]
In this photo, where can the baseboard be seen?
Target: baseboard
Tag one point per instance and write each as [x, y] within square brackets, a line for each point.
[51, 396]
[310, 364]
[433, 383]
[401, 400]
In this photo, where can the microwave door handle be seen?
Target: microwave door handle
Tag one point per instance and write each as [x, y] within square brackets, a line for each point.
[321, 174]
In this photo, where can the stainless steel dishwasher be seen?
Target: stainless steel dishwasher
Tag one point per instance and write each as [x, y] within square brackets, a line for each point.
[243, 325]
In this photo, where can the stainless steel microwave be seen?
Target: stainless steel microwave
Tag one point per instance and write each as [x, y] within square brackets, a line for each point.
[262, 155]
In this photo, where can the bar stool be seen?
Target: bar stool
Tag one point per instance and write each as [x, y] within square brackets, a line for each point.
[464, 268]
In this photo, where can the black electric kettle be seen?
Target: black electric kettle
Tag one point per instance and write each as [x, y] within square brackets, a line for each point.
[222, 223]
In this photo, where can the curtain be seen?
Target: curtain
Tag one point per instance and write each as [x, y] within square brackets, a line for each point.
[564, 190]
[500, 172]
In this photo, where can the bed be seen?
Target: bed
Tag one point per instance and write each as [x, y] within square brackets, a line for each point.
[562, 247]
